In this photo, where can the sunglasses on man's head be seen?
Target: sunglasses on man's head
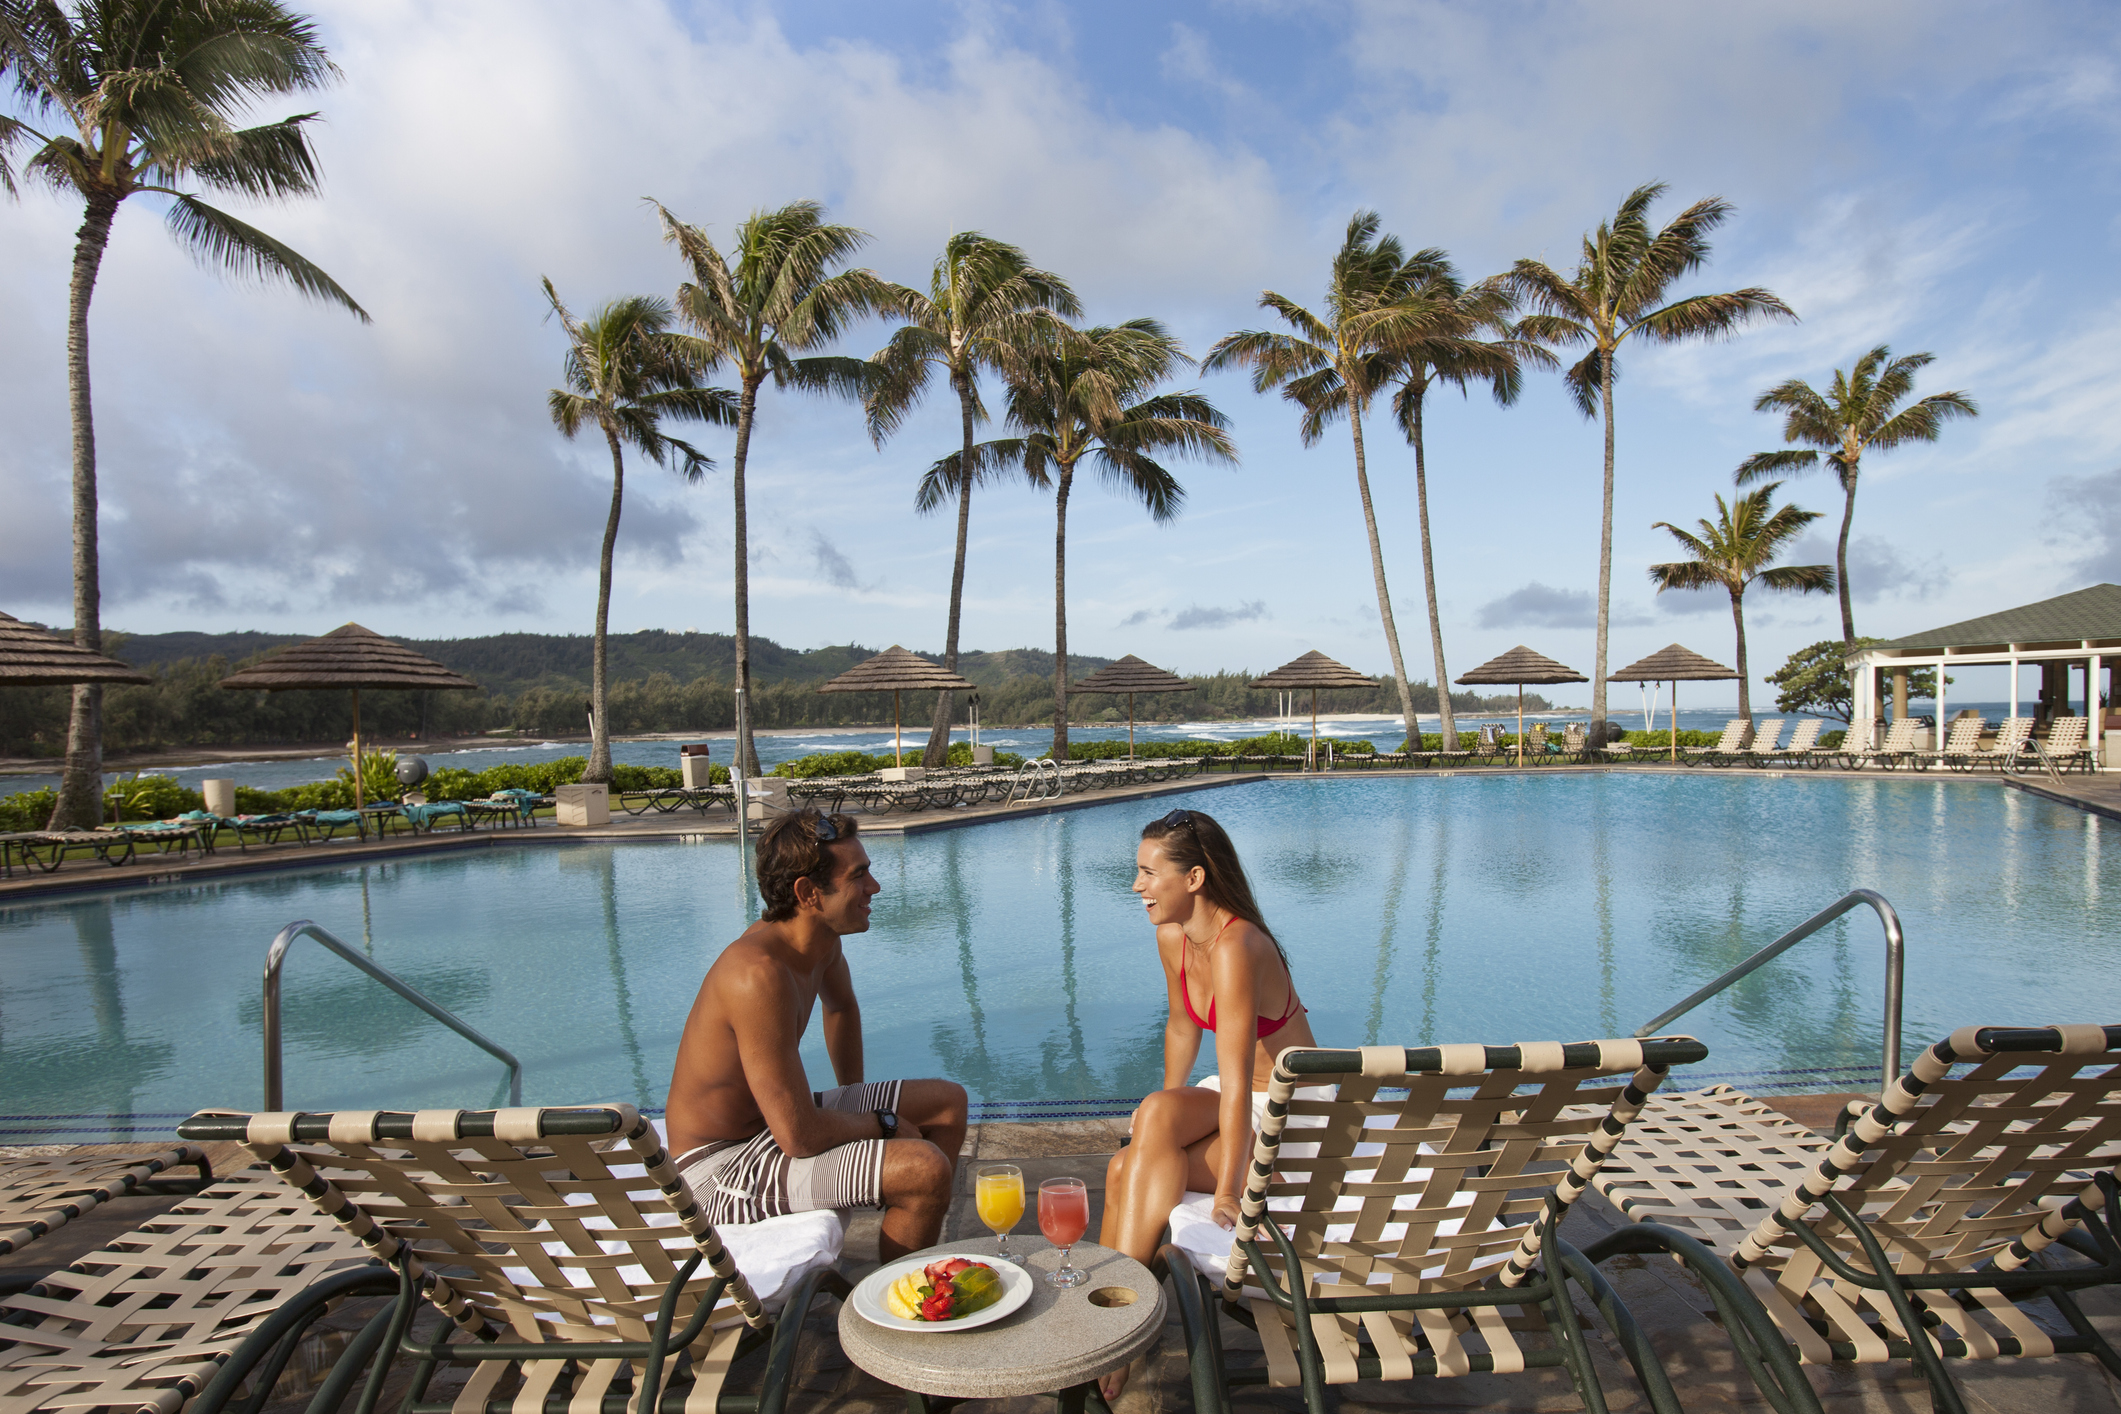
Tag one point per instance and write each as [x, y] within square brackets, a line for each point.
[825, 830]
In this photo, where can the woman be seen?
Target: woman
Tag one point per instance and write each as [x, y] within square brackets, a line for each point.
[1225, 973]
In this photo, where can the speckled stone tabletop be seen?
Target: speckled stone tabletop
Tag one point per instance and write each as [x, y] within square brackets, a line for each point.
[1058, 1339]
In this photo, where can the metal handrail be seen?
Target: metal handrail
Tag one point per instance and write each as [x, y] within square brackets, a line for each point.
[1895, 960]
[1039, 789]
[303, 928]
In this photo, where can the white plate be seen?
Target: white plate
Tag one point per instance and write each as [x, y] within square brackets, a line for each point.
[869, 1295]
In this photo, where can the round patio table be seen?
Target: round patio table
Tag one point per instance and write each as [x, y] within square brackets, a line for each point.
[1059, 1342]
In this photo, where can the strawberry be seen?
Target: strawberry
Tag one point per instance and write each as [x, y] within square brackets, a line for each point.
[937, 1306]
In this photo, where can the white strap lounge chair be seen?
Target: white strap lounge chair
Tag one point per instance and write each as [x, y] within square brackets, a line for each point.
[562, 1244]
[2065, 747]
[1401, 1217]
[1803, 749]
[2011, 735]
[1727, 749]
[42, 1193]
[1960, 744]
[1762, 747]
[1899, 744]
[1982, 1179]
[147, 1321]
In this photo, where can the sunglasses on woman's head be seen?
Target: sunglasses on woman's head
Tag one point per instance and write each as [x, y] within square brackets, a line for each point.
[1176, 819]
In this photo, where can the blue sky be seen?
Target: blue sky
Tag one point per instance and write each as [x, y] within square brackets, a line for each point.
[1937, 177]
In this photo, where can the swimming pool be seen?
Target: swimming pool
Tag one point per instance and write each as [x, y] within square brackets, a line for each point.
[1012, 957]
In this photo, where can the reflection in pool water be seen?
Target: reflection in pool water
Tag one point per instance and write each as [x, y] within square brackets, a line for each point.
[1012, 957]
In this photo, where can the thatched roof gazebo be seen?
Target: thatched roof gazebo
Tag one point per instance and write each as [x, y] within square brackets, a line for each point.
[1315, 671]
[894, 671]
[1520, 666]
[1674, 664]
[31, 657]
[349, 657]
[1131, 675]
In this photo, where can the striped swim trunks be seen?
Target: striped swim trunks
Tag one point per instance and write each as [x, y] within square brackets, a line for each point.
[745, 1180]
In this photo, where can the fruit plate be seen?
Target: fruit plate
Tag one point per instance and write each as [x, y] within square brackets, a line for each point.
[869, 1294]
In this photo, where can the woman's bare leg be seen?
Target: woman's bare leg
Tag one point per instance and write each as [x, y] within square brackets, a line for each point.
[1175, 1148]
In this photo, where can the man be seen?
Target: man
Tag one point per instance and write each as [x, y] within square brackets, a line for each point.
[751, 1137]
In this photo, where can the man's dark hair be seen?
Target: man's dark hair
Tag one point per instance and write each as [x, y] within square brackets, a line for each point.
[794, 847]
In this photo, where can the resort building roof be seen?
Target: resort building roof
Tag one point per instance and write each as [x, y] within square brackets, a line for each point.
[2076, 621]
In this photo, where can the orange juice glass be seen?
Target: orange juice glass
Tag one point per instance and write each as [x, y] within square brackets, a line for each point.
[999, 1192]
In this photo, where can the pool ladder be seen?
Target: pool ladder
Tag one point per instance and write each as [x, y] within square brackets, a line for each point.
[1045, 780]
[303, 928]
[1895, 966]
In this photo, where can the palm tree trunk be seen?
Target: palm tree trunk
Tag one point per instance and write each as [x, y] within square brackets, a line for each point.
[1745, 680]
[1605, 557]
[81, 788]
[747, 406]
[938, 752]
[1059, 751]
[599, 769]
[1841, 564]
[1448, 724]
[1377, 567]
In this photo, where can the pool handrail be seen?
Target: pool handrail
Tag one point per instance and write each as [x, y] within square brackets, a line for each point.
[1895, 965]
[1037, 786]
[303, 928]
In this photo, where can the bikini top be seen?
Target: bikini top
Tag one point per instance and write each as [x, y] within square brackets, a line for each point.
[1267, 1025]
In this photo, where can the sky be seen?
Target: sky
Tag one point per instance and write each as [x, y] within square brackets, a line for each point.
[1937, 177]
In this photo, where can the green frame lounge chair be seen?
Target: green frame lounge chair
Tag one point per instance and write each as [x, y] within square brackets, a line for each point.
[143, 1324]
[1918, 1231]
[1414, 1234]
[42, 1193]
[562, 1245]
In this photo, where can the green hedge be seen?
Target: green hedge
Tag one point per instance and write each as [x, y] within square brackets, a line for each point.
[861, 763]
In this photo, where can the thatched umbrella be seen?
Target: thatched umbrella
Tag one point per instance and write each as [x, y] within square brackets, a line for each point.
[894, 671]
[1520, 666]
[350, 657]
[30, 657]
[1315, 670]
[1131, 675]
[1674, 664]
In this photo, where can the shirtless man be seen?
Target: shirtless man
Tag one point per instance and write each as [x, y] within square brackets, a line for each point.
[752, 1139]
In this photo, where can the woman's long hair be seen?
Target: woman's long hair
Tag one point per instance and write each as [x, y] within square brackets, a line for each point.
[1192, 839]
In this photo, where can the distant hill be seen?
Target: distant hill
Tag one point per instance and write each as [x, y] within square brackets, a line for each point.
[512, 663]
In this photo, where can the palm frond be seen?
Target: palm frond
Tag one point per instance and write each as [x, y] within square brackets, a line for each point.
[1924, 421]
[836, 375]
[1682, 574]
[1801, 579]
[991, 461]
[273, 161]
[1711, 316]
[217, 238]
[1584, 382]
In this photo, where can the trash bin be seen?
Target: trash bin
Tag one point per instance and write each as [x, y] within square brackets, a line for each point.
[694, 762]
[220, 796]
[582, 805]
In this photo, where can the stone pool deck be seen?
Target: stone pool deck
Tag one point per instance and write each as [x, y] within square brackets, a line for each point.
[1670, 1305]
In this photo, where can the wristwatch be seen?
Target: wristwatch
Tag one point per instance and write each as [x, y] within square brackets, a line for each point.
[889, 1123]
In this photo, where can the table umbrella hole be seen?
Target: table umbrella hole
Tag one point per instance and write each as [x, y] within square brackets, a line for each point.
[1112, 1296]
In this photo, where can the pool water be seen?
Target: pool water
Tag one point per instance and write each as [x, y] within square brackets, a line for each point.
[1012, 957]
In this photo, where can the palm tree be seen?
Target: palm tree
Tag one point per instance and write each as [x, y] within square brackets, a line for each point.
[1091, 393]
[139, 96]
[625, 373]
[1856, 415]
[772, 298]
[1617, 293]
[985, 301]
[1736, 549]
[1470, 339]
[1333, 366]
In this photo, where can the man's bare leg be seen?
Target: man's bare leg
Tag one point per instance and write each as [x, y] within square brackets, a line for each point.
[939, 1109]
[917, 1182]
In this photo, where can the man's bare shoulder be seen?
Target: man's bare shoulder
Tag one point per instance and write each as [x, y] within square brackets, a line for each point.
[752, 967]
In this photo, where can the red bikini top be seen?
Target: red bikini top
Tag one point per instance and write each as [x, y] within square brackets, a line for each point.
[1267, 1025]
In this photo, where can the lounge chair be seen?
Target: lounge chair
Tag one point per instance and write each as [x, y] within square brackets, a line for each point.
[1761, 749]
[561, 1244]
[2065, 748]
[1574, 741]
[1960, 744]
[1899, 744]
[145, 1322]
[1915, 1234]
[1803, 749]
[423, 818]
[2011, 735]
[1405, 1224]
[1728, 748]
[514, 806]
[42, 1193]
[166, 835]
[266, 828]
[48, 849]
[324, 825]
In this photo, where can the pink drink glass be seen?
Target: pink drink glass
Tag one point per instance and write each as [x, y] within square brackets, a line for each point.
[1063, 1214]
